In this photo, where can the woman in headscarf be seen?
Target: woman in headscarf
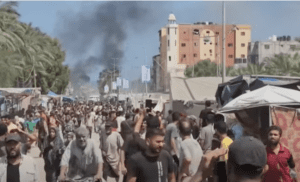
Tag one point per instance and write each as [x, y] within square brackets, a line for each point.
[54, 147]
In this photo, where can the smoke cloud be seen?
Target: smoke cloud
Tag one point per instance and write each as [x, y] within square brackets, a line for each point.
[103, 30]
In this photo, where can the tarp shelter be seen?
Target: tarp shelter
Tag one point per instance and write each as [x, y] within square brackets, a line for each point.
[20, 97]
[52, 94]
[265, 96]
[241, 84]
[188, 94]
[67, 99]
[253, 109]
[197, 89]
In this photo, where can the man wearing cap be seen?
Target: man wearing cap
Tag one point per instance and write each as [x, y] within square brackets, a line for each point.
[16, 167]
[247, 161]
[82, 158]
[280, 159]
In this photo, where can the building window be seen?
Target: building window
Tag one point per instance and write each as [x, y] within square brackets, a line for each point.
[195, 43]
[244, 60]
[267, 46]
[243, 45]
[207, 32]
[243, 33]
[168, 43]
[216, 44]
[230, 45]
[238, 60]
[169, 58]
[184, 56]
[210, 43]
[243, 55]
[168, 31]
[217, 33]
[230, 56]
[210, 51]
[196, 32]
[195, 55]
[184, 32]
[183, 45]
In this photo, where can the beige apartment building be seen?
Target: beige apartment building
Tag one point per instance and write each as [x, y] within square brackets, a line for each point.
[183, 45]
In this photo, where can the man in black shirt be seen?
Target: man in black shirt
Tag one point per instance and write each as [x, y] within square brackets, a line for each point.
[153, 164]
[204, 113]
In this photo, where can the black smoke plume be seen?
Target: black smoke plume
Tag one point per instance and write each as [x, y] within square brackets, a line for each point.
[104, 29]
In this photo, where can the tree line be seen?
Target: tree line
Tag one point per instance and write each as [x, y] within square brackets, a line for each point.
[29, 57]
[279, 65]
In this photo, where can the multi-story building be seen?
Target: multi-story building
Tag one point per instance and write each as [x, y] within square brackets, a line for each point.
[183, 45]
[259, 51]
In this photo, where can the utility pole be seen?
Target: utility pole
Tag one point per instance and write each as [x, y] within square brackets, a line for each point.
[34, 77]
[224, 52]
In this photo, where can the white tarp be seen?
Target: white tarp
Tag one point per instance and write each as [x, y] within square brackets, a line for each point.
[199, 88]
[160, 105]
[265, 96]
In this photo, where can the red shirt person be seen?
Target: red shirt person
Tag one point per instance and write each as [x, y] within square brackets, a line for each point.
[280, 159]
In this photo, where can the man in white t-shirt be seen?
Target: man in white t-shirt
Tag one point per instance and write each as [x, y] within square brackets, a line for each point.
[90, 122]
[190, 153]
[120, 118]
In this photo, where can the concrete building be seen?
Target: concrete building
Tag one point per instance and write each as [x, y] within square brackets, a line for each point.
[157, 84]
[259, 51]
[184, 45]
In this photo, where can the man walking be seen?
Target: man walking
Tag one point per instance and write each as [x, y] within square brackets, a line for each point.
[16, 167]
[82, 158]
[154, 164]
[206, 134]
[280, 159]
[190, 153]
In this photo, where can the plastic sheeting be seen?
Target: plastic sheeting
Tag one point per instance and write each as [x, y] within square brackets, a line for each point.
[265, 96]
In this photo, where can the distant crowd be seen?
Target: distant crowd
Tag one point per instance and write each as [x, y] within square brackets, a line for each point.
[104, 142]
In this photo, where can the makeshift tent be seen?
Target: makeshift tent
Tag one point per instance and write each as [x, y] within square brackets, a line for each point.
[67, 99]
[52, 94]
[266, 95]
[188, 94]
[197, 89]
[159, 106]
[253, 109]
[241, 84]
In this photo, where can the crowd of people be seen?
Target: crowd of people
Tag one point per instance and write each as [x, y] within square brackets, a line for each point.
[104, 142]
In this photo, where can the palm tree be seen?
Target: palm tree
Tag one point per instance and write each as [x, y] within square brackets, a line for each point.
[202, 69]
[282, 64]
[10, 68]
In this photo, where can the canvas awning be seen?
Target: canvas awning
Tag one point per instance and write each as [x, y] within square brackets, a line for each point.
[195, 89]
[228, 91]
[264, 96]
[18, 92]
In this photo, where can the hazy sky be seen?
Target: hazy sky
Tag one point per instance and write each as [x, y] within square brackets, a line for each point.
[58, 19]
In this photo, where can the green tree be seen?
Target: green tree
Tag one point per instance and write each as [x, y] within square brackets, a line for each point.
[204, 68]
[42, 57]
[282, 65]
